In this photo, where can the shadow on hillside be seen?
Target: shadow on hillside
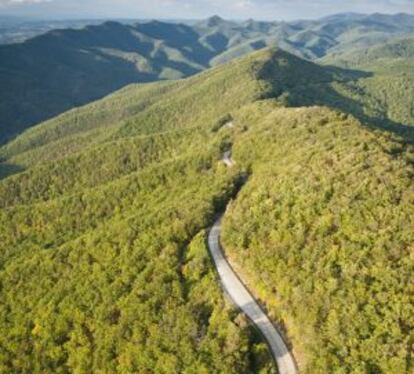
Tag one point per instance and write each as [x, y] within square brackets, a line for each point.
[70, 68]
[333, 99]
[182, 38]
[312, 84]
[7, 170]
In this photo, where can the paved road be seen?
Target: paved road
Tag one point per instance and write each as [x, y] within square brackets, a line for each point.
[227, 159]
[245, 301]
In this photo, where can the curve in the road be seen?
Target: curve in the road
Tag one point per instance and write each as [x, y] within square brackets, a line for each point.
[246, 302]
[227, 159]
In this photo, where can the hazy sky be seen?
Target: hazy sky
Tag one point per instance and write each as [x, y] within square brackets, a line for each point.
[259, 9]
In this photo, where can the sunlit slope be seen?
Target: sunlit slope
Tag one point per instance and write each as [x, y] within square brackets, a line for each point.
[81, 127]
[195, 101]
[374, 56]
[200, 101]
[324, 231]
[103, 224]
[387, 92]
[106, 240]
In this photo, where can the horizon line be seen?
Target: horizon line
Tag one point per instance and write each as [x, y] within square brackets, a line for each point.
[178, 19]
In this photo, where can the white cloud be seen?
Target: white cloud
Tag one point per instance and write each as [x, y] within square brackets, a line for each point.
[16, 2]
[243, 4]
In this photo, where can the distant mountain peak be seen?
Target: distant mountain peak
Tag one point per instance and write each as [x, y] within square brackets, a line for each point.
[215, 21]
[113, 24]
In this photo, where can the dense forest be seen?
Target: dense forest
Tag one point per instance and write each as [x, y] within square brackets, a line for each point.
[104, 212]
[386, 92]
[104, 265]
[118, 279]
[323, 230]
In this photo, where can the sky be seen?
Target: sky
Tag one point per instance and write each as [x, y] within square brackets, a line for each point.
[194, 9]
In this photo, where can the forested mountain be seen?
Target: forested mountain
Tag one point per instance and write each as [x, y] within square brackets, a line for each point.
[103, 212]
[109, 267]
[62, 69]
[388, 89]
[378, 56]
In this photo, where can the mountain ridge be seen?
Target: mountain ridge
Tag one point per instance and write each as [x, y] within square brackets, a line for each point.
[90, 63]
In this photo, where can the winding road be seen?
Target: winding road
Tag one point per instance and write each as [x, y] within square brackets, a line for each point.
[245, 301]
[227, 159]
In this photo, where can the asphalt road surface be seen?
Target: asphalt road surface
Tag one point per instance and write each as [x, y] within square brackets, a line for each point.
[245, 301]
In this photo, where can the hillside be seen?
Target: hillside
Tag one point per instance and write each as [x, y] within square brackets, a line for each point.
[111, 265]
[323, 230]
[62, 69]
[103, 227]
[387, 91]
[375, 57]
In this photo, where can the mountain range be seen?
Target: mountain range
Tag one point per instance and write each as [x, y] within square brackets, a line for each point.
[62, 69]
